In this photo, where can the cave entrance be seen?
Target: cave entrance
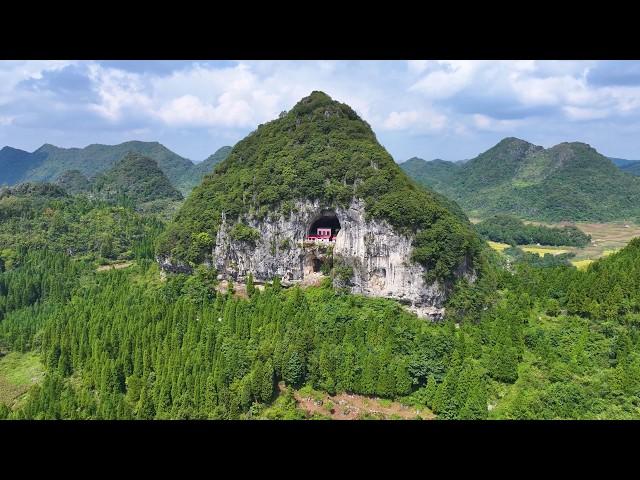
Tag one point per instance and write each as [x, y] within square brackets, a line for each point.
[325, 227]
[317, 265]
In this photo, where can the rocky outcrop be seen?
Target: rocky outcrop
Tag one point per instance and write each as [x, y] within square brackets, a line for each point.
[168, 265]
[369, 257]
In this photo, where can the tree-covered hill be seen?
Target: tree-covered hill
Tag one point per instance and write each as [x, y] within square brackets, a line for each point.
[570, 181]
[523, 343]
[137, 178]
[319, 150]
[73, 182]
[49, 162]
[43, 216]
[97, 158]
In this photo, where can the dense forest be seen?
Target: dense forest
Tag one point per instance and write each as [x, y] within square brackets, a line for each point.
[533, 342]
[35, 217]
[512, 230]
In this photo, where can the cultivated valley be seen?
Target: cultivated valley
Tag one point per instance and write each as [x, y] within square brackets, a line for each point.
[304, 274]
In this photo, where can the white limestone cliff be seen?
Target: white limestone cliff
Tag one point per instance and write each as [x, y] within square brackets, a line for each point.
[379, 257]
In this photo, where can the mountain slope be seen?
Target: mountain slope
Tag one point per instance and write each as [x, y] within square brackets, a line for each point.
[436, 174]
[194, 175]
[14, 163]
[136, 177]
[570, 181]
[320, 151]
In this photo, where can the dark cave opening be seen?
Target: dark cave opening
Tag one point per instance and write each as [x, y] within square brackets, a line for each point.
[326, 226]
[317, 265]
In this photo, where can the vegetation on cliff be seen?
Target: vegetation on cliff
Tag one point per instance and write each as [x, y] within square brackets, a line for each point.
[74, 182]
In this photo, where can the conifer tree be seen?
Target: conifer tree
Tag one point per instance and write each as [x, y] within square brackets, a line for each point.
[251, 289]
[475, 407]
[267, 383]
[430, 392]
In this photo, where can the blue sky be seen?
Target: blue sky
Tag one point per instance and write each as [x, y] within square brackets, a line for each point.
[431, 109]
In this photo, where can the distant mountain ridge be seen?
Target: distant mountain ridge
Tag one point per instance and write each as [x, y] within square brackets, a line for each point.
[570, 181]
[622, 162]
[14, 163]
[633, 169]
[199, 170]
[629, 166]
[434, 174]
[48, 162]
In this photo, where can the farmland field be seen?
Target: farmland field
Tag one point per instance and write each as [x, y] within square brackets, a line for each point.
[540, 250]
[606, 238]
[582, 264]
[498, 246]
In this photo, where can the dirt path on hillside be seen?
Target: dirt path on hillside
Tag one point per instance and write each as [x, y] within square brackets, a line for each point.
[345, 406]
[114, 266]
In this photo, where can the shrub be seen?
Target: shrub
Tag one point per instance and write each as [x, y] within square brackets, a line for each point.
[243, 233]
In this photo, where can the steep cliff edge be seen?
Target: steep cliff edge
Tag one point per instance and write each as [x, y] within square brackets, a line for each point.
[367, 257]
[318, 169]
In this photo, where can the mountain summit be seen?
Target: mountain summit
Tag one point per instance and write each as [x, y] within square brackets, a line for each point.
[138, 178]
[317, 172]
[570, 181]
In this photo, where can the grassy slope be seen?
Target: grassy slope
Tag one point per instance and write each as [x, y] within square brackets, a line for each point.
[18, 372]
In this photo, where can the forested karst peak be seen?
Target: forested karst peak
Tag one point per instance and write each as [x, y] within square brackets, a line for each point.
[137, 177]
[320, 150]
[569, 181]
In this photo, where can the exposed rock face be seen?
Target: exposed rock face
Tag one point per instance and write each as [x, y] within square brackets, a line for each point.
[377, 259]
[167, 265]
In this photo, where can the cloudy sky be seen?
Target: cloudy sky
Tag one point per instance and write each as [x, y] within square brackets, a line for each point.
[432, 109]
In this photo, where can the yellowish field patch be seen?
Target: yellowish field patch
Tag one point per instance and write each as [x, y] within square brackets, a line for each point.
[498, 246]
[607, 238]
[582, 264]
[544, 250]
[114, 266]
